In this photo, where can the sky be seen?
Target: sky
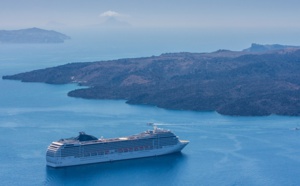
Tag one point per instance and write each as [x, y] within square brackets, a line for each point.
[202, 25]
[207, 14]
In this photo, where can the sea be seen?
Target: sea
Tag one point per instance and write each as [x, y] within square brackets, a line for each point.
[223, 150]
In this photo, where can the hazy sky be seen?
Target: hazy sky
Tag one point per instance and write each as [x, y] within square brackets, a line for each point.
[214, 14]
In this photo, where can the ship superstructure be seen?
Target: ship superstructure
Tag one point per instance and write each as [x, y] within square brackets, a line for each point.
[85, 149]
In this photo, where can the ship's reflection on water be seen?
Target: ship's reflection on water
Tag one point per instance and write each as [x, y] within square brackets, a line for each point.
[124, 171]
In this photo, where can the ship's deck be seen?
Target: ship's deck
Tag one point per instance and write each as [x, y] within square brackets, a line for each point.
[143, 135]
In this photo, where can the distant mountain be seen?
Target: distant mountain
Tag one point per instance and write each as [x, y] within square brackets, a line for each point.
[231, 83]
[32, 35]
[114, 22]
[264, 48]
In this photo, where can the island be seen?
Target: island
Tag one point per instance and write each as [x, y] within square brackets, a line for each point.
[242, 83]
[32, 35]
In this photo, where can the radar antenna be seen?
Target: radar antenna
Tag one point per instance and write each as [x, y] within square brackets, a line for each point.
[153, 124]
[150, 124]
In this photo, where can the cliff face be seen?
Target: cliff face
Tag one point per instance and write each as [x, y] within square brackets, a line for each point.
[231, 83]
[32, 35]
[264, 48]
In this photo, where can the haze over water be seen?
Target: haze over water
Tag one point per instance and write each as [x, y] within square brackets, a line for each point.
[223, 150]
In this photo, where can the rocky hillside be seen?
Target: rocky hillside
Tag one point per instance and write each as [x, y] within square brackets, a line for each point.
[232, 83]
[264, 48]
[32, 35]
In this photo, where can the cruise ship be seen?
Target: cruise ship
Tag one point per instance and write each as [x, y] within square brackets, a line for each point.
[86, 149]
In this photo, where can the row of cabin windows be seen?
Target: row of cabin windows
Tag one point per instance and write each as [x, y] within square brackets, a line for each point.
[120, 145]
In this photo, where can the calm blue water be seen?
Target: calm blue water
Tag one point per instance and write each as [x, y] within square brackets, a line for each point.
[223, 150]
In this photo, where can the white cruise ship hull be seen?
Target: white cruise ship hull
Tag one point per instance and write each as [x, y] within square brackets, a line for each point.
[113, 156]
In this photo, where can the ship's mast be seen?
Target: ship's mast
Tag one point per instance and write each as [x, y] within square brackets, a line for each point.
[154, 126]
